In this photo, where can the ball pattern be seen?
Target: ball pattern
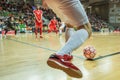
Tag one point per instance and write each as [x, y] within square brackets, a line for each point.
[89, 52]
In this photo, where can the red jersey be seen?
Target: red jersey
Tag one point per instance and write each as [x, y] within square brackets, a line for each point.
[53, 23]
[38, 14]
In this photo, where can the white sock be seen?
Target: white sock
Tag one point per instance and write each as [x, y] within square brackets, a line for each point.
[0, 36]
[61, 27]
[0, 33]
[75, 40]
[60, 31]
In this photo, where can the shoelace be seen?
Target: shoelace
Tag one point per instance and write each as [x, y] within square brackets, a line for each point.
[66, 60]
[67, 57]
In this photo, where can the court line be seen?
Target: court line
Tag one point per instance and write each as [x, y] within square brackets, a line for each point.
[108, 55]
[33, 45]
[100, 57]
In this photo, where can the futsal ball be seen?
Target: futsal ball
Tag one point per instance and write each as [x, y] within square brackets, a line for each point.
[89, 52]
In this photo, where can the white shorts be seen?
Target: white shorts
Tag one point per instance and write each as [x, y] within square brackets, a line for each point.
[69, 11]
[0, 29]
[62, 25]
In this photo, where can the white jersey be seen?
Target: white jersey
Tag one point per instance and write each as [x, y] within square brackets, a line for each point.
[69, 11]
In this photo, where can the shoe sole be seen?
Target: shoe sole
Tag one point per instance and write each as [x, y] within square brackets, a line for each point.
[71, 72]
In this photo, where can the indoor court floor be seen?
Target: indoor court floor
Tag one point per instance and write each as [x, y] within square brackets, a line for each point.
[22, 57]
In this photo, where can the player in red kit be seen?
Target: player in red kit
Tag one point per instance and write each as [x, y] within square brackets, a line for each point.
[52, 26]
[38, 21]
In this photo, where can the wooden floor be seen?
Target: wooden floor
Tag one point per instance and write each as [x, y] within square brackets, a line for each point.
[24, 58]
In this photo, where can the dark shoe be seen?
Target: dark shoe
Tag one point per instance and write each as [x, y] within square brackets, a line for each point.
[41, 37]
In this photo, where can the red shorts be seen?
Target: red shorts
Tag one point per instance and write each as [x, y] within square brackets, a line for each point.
[52, 27]
[38, 24]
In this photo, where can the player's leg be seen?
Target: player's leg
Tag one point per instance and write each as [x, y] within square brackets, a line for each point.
[41, 32]
[36, 28]
[60, 31]
[12, 28]
[62, 59]
[55, 29]
[75, 14]
[61, 28]
[75, 40]
[6, 30]
[49, 28]
[68, 33]
[0, 32]
[15, 31]
[52, 28]
[36, 31]
[40, 29]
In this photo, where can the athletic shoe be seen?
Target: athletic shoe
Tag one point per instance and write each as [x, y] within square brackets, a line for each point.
[64, 63]
[41, 37]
